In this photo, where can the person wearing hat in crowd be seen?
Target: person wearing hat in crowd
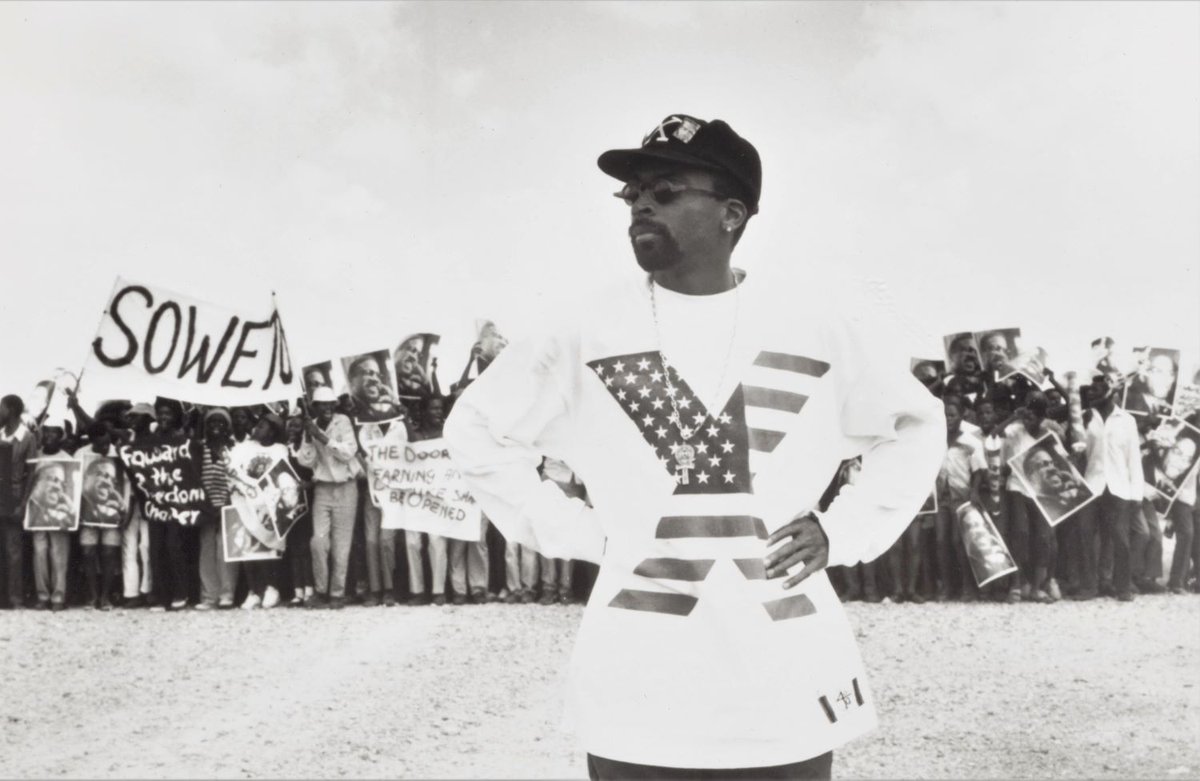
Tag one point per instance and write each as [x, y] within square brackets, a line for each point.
[249, 462]
[170, 540]
[51, 548]
[22, 444]
[704, 410]
[330, 449]
[136, 570]
[218, 578]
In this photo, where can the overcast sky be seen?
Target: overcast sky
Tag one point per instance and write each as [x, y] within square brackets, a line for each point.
[386, 168]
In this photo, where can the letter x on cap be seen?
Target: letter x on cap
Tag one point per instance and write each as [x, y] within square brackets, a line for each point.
[694, 143]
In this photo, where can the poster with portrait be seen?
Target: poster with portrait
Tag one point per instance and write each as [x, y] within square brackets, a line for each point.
[105, 502]
[287, 491]
[54, 494]
[488, 344]
[267, 494]
[962, 353]
[928, 370]
[1171, 457]
[997, 349]
[371, 384]
[317, 375]
[1057, 488]
[237, 543]
[986, 550]
[416, 364]
[1150, 390]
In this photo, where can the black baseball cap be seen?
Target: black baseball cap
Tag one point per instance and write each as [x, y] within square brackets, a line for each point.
[686, 140]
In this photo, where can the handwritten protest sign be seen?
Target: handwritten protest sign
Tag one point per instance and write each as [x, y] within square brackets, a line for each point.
[419, 488]
[154, 342]
[167, 475]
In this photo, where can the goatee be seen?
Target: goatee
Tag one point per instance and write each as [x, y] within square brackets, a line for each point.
[655, 250]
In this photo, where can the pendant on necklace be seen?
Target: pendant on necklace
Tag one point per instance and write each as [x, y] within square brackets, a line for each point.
[685, 461]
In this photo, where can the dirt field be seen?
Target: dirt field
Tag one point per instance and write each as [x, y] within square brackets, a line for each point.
[1098, 689]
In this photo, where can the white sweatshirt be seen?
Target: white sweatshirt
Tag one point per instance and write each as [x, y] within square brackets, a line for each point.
[687, 656]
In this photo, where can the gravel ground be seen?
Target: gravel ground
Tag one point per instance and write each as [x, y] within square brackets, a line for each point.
[1071, 690]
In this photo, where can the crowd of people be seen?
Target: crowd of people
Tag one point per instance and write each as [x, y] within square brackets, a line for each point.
[338, 553]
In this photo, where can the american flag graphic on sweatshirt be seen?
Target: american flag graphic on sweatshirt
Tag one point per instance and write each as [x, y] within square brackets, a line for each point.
[727, 449]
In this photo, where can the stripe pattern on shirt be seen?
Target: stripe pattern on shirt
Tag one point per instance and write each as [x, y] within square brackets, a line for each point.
[729, 447]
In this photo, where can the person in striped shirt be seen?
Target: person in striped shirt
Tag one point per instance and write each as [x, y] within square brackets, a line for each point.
[706, 412]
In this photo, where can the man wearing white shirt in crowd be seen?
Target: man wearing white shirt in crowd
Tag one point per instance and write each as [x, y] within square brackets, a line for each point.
[1033, 542]
[1113, 473]
[330, 449]
[964, 458]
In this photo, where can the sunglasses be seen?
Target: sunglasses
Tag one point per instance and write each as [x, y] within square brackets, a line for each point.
[661, 190]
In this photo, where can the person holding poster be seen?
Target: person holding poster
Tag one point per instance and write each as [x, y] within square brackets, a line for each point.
[170, 538]
[105, 511]
[298, 552]
[136, 574]
[1033, 542]
[218, 577]
[964, 458]
[433, 420]
[1113, 473]
[713, 644]
[330, 449]
[379, 548]
[257, 502]
[52, 502]
[22, 446]
[51, 549]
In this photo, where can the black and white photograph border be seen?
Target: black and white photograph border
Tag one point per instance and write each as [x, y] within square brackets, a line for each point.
[405, 168]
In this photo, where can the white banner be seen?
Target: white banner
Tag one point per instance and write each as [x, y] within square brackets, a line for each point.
[152, 342]
[419, 488]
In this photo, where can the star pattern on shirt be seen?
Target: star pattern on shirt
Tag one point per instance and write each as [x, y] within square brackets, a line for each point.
[644, 389]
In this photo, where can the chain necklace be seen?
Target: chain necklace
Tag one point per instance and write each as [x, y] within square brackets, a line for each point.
[685, 452]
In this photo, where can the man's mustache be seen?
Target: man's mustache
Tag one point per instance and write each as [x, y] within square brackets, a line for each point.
[643, 225]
